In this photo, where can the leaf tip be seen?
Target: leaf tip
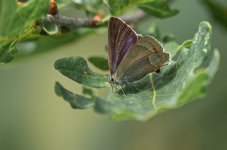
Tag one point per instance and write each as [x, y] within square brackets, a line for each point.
[58, 88]
[206, 25]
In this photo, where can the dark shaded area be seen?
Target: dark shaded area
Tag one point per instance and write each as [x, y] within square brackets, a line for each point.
[218, 10]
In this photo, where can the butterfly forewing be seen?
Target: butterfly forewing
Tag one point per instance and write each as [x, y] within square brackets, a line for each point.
[121, 39]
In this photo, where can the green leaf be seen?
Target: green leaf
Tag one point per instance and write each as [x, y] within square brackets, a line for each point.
[168, 38]
[158, 8]
[88, 91]
[50, 28]
[118, 7]
[198, 83]
[76, 68]
[146, 28]
[218, 11]
[48, 43]
[76, 101]
[91, 7]
[16, 22]
[186, 44]
[99, 62]
[178, 83]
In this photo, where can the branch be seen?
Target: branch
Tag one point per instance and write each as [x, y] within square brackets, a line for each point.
[69, 23]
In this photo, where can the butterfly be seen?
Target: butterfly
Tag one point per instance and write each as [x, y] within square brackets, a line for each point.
[131, 56]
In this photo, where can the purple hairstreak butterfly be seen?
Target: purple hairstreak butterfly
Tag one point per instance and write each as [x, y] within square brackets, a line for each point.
[131, 56]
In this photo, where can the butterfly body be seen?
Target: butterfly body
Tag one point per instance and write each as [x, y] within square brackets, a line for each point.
[131, 56]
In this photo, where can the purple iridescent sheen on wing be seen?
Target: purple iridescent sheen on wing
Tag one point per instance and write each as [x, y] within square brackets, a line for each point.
[121, 39]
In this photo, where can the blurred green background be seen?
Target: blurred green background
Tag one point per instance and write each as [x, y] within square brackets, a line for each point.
[32, 117]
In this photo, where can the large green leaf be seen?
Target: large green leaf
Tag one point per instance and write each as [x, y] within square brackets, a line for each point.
[158, 8]
[180, 82]
[76, 69]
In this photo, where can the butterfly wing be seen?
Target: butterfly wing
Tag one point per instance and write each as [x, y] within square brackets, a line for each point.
[146, 56]
[143, 66]
[121, 39]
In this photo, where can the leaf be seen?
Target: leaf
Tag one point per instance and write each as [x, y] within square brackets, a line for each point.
[50, 28]
[218, 11]
[88, 91]
[91, 6]
[118, 7]
[186, 44]
[17, 24]
[158, 8]
[199, 83]
[168, 38]
[48, 43]
[76, 68]
[148, 29]
[76, 101]
[178, 83]
[99, 62]
[23, 29]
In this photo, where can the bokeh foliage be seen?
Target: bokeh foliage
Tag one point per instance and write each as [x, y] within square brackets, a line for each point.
[20, 27]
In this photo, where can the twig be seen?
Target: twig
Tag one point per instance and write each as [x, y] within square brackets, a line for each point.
[69, 23]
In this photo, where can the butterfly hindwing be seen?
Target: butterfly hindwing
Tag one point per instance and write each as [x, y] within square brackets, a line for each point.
[145, 65]
[146, 56]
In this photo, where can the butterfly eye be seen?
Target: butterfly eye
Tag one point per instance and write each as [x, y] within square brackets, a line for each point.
[111, 79]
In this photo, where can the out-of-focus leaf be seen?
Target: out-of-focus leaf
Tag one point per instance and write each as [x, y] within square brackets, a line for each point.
[148, 29]
[47, 43]
[90, 6]
[178, 83]
[19, 29]
[171, 48]
[219, 11]
[76, 68]
[158, 8]
[50, 28]
[88, 91]
[76, 101]
[99, 62]
[168, 38]
[186, 44]
[15, 22]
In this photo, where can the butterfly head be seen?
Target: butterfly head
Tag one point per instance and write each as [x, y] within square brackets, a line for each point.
[111, 79]
[115, 84]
